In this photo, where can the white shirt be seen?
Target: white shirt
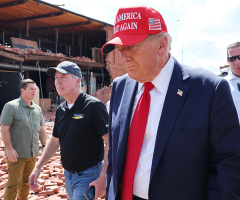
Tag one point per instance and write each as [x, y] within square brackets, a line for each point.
[108, 105]
[70, 105]
[233, 81]
[158, 94]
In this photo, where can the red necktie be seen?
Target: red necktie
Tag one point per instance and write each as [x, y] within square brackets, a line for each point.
[135, 140]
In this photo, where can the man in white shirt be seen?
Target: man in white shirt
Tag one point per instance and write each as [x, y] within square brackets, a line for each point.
[170, 137]
[233, 77]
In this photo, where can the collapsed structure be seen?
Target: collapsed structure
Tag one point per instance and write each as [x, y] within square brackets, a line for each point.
[35, 35]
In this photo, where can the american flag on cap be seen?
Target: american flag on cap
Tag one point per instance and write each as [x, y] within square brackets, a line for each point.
[133, 24]
[154, 24]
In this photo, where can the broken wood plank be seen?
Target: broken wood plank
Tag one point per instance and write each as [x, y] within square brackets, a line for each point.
[11, 56]
[43, 58]
[86, 64]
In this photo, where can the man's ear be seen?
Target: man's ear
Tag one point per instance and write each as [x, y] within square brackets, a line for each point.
[163, 44]
[22, 90]
[78, 81]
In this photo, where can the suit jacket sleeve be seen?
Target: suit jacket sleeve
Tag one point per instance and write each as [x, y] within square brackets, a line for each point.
[224, 138]
[110, 167]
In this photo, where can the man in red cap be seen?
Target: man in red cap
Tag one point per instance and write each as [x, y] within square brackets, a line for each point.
[170, 137]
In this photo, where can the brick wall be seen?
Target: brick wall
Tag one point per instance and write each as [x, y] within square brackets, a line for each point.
[103, 94]
[113, 61]
[114, 67]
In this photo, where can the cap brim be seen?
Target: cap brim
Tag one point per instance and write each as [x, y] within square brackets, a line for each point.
[51, 71]
[124, 40]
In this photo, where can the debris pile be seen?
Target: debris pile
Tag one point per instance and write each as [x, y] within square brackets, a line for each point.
[51, 180]
[49, 116]
[84, 59]
[29, 51]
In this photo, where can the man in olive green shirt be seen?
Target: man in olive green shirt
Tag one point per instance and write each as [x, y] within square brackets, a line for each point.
[22, 126]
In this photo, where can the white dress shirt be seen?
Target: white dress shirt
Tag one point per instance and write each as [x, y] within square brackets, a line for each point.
[233, 81]
[158, 93]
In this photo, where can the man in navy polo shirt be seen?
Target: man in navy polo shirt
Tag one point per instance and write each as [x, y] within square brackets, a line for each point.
[81, 128]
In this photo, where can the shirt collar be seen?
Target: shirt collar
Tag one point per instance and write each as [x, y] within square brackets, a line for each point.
[79, 99]
[24, 104]
[161, 81]
[231, 76]
[76, 103]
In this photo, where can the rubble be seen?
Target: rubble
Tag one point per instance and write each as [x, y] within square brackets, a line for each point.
[29, 51]
[51, 181]
[52, 184]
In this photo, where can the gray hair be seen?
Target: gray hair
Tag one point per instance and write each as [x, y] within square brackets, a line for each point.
[231, 46]
[161, 35]
[75, 77]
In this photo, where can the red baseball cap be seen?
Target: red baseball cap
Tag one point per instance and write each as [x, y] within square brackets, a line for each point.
[134, 24]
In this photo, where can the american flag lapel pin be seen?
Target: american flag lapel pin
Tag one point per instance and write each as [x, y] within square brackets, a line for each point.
[180, 92]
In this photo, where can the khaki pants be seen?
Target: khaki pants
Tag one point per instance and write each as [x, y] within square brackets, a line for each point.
[18, 175]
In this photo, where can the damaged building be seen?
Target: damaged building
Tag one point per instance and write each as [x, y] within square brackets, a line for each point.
[35, 35]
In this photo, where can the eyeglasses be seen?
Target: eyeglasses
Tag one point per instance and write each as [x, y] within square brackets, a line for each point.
[233, 58]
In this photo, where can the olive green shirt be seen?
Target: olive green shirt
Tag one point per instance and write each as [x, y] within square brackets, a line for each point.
[24, 123]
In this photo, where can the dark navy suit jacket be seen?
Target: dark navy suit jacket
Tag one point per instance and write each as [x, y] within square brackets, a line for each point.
[197, 150]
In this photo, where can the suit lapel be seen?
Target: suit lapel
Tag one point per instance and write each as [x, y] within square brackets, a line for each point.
[171, 108]
[125, 117]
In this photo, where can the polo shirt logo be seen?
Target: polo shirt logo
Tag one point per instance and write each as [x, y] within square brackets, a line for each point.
[78, 116]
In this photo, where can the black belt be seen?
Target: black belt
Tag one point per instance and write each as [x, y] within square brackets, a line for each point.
[137, 198]
[72, 172]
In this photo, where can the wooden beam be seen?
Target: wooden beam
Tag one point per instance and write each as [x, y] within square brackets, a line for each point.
[13, 3]
[34, 17]
[56, 35]
[11, 56]
[56, 39]
[3, 38]
[66, 45]
[86, 36]
[80, 43]
[69, 51]
[73, 36]
[42, 58]
[27, 74]
[20, 26]
[53, 60]
[27, 28]
[62, 26]
[39, 43]
[86, 64]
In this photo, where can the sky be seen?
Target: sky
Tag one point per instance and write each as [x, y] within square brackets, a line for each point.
[201, 30]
